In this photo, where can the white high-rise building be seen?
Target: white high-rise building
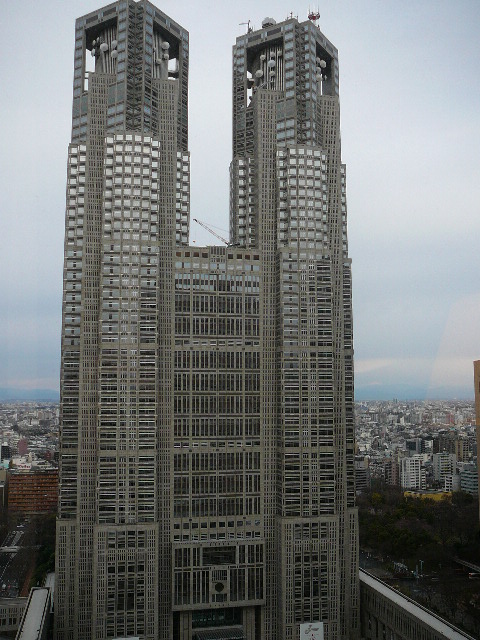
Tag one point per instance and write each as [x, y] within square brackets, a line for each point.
[412, 473]
[207, 435]
[444, 464]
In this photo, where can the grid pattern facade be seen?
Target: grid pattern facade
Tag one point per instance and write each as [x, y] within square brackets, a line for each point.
[412, 473]
[33, 491]
[217, 499]
[444, 464]
[127, 208]
[137, 29]
[288, 198]
[11, 612]
[207, 434]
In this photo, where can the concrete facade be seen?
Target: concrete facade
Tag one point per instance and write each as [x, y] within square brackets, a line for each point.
[386, 613]
[31, 492]
[412, 473]
[207, 433]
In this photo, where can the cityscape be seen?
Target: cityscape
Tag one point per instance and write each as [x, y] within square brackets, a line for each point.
[208, 471]
[437, 437]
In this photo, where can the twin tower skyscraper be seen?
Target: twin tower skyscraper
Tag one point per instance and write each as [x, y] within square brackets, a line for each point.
[207, 429]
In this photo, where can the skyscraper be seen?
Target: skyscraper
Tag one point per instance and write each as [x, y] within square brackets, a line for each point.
[207, 443]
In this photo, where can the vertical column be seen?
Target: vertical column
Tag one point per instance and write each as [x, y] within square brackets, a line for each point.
[330, 120]
[168, 96]
[265, 160]
[89, 353]
[69, 391]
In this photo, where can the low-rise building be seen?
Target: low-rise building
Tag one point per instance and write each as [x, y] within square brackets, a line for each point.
[11, 612]
[469, 479]
[386, 613]
[452, 482]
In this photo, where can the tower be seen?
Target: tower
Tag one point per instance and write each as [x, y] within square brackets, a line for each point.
[127, 209]
[288, 200]
[207, 434]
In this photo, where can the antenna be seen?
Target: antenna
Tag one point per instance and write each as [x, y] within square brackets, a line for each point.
[249, 26]
[314, 16]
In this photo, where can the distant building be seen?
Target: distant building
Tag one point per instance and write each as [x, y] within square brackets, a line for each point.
[23, 463]
[392, 473]
[469, 479]
[476, 382]
[362, 474]
[463, 449]
[412, 473]
[444, 464]
[22, 447]
[414, 446]
[5, 452]
[451, 442]
[452, 482]
[33, 491]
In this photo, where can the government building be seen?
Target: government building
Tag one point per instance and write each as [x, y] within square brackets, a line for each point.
[207, 430]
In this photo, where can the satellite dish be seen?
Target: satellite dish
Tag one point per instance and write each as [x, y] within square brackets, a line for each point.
[93, 52]
[114, 44]
[263, 57]
[319, 76]
[165, 45]
[165, 56]
[271, 64]
[323, 64]
[258, 73]
[272, 72]
[104, 47]
[114, 54]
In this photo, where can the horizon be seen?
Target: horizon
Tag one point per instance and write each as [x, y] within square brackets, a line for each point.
[47, 395]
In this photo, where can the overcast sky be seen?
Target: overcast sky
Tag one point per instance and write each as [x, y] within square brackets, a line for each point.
[410, 105]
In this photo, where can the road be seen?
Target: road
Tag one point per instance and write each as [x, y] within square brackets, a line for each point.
[9, 587]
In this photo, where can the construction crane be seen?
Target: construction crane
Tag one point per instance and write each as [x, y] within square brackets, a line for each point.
[205, 226]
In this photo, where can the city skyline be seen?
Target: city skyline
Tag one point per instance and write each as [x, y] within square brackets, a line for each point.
[412, 227]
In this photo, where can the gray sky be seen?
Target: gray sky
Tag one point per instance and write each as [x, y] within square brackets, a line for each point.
[410, 99]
